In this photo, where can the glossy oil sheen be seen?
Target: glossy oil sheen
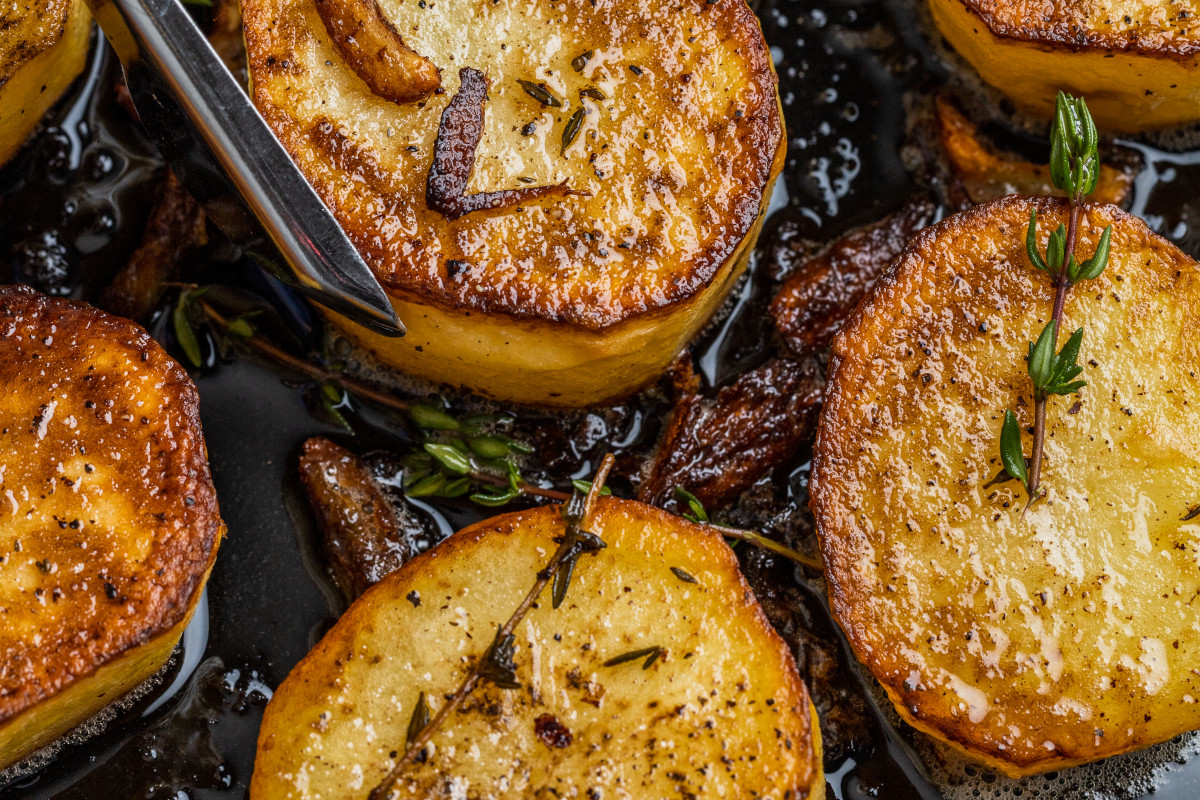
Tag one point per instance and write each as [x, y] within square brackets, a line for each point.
[844, 69]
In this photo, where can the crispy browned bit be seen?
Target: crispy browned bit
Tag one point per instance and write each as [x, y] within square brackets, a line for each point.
[176, 225]
[376, 52]
[360, 534]
[986, 173]
[551, 732]
[458, 135]
[813, 304]
[718, 449]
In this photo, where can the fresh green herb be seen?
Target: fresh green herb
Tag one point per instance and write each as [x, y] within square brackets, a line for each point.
[491, 446]
[432, 418]
[181, 321]
[428, 486]
[481, 463]
[241, 327]
[572, 129]
[696, 512]
[450, 457]
[333, 399]
[583, 487]
[493, 498]
[650, 654]
[539, 92]
[1075, 169]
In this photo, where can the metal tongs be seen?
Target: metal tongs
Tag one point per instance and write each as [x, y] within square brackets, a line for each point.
[225, 155]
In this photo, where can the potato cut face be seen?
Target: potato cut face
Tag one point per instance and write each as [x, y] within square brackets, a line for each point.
[1070, 635]
[43, 45]
[1135, 62]
[679, 137]
[722, 711]
[109, 520]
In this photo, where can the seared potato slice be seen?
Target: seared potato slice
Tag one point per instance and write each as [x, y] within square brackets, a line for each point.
[1137, 63]
[662, 118]
[43, 48]
[720, 713]
[109, 522]
[1070, 634]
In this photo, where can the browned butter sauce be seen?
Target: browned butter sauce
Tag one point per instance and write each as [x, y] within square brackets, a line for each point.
[853, 74]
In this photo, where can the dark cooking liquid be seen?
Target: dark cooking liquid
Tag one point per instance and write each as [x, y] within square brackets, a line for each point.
[74, 204]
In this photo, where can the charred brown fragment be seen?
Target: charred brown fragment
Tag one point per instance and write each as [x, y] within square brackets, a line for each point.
[176, 225]
[718, 449]
[814, 303]
[373, 48]
[458, 136]
[360, 534]
[551, 732]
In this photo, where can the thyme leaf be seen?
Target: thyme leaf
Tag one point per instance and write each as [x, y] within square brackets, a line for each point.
[650, 654]
[497, 665]
[432, 418]
[181, 323]
[684, 575]
[571, 131]
[539, 92]
[580, 61]
[695, 507]
[419, 719]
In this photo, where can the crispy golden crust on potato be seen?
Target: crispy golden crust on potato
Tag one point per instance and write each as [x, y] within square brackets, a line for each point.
[676, 159]
[721, 710]
[1156, 29]
[108, 517]
[43, 46]
[1071, 634]
[1136, 63]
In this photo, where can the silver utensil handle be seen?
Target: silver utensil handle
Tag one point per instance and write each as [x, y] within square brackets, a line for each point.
[225, 155]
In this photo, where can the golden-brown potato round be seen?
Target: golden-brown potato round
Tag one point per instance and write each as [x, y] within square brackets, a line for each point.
[561, 300]
[721, 713]
[43, 48]
[1137, 63]
[108, 519]
[1073, 633]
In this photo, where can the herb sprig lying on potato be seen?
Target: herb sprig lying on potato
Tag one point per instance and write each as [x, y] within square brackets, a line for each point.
[1074, 168]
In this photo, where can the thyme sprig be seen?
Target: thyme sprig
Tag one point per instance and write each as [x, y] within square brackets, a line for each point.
[469, 458]
[697, 513]
[1074, 168]
[496, 664]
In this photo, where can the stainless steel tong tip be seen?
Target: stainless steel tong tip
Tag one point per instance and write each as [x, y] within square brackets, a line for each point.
[225, 155]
